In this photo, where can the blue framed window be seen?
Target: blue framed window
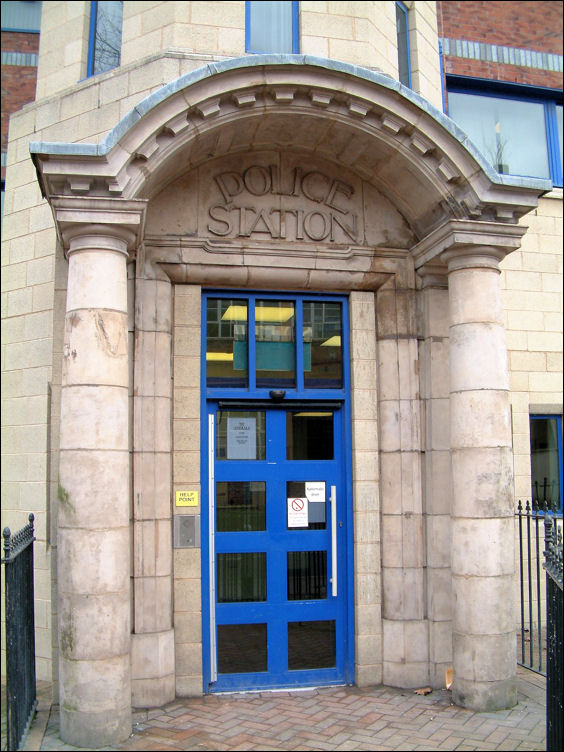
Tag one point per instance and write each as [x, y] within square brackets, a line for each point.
[402, 28]
[546, 463]
[517, 128]
[271, 27]
[258, 342]
[21, 16]
[104, 46]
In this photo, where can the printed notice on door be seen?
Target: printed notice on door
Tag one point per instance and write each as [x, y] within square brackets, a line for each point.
[241, 438]
[297, 512]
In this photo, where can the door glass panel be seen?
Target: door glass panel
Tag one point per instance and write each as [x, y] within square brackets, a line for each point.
[226, 343]
[323, 351]
[240, 506]
[309, 436]
[307, 575]
[240, 435]
[311, 644]
[275, 343]
[241, 648]
[241, 577]
[313, 515]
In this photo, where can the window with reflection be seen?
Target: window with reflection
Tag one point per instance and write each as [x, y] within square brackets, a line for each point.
[546, 463]
[241, 648]
[306, 575]
[226, 343]
[323, 349]
[518, 129]
[240, 506]
[275, 343]
[241, 577]
[311, 644]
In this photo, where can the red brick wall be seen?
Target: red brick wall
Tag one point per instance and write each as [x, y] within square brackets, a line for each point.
[535, 25]
[18, 81]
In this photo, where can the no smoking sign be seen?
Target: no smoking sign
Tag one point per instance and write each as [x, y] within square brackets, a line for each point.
[297, 512]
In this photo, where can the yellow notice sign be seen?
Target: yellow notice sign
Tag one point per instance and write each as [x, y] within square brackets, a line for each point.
[187, 499]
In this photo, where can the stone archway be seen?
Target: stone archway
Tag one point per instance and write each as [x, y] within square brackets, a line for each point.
[390, 188]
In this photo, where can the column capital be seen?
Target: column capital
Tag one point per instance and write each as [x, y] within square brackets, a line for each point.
[462, 242]
[433, 275]
[113, 224]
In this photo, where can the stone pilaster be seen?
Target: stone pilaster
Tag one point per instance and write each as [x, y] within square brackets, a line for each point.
[93, 498]
[484, 657]
[405, 629]
[437, 483]
[152, 654]
[366, 490]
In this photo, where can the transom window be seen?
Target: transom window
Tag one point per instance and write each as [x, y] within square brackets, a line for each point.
[268, 342]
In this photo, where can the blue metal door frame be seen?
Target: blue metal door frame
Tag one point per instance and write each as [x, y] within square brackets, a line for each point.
[278, 539]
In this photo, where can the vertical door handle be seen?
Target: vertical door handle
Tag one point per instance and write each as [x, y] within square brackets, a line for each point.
[211, 553]
[333, 498]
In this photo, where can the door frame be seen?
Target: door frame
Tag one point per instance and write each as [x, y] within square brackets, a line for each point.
[312, 397]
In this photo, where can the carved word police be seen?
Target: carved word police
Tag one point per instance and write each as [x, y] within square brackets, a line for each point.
[332, 221]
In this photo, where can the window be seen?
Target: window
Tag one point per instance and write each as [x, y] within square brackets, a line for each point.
[104, 50]
[271, 27]
[546, 462]
[274, 342]
[518, 129]
[402, 28]
[21, 16]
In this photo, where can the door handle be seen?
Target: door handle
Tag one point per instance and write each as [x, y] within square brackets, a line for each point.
[333, 499]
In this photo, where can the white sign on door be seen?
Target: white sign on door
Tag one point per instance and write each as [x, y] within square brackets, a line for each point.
[315, 490]
[241, 438]
[297, 512]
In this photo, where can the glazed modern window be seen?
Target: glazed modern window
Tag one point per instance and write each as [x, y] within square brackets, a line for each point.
[271, 27]
[104, 49]
[21, 16]
[258, 343]
[402, 28]
[546, 462]
[517, 132]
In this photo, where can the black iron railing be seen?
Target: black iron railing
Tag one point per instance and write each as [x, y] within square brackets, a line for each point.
[554, 635]
[532, 647]
[21, 698]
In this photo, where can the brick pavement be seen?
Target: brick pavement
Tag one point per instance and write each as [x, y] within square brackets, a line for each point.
[333, 718]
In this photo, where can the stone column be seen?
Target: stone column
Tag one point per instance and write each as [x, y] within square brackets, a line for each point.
[93, 560]
[484, 657]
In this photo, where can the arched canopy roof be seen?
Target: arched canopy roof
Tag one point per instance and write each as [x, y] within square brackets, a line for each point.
[363, 120]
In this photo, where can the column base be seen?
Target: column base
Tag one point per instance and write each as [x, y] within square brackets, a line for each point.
[92, 730]
[485, 696]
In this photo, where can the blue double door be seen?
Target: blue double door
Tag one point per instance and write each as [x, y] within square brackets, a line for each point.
[276, 614]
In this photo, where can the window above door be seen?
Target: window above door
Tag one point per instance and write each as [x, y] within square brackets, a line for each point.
[255, 344]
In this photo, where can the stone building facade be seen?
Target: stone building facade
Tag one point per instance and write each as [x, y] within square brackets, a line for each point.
[228, 495]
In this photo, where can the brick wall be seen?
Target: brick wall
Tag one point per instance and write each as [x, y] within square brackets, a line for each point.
[18, 81]
[533, 25]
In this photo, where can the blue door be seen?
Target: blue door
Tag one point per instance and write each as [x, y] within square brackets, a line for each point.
[275, 547]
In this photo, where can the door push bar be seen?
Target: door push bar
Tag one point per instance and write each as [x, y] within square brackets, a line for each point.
[333, 499]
